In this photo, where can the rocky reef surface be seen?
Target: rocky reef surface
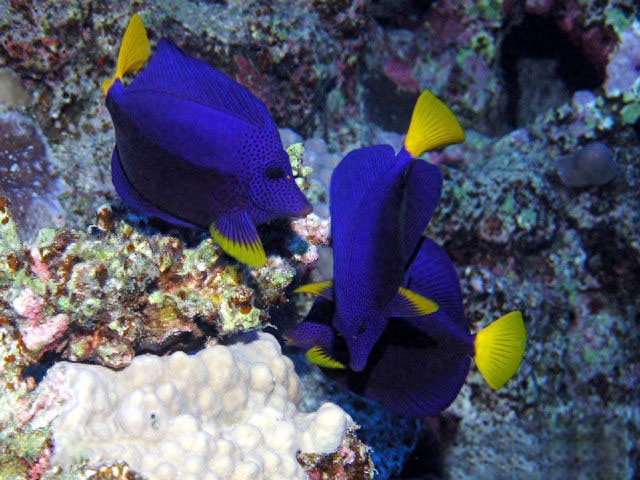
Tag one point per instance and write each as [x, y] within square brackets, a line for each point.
[535, 84]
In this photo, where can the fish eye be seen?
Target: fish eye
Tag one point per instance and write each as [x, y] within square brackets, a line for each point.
[275, 173]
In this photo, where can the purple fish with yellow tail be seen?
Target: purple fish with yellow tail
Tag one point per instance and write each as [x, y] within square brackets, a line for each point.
[419, 364]
[197, 149]
[380, 205]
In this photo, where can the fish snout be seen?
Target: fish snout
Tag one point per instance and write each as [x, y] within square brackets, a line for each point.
[306, 210]
[358, 362]
[299, 205]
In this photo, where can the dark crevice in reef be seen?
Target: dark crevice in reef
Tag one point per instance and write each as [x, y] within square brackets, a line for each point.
[538, 59]
[399, 13]
[614, 266]
[386, 105]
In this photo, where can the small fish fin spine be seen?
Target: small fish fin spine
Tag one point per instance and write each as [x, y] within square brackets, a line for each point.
[499, 349]
[236, 234]
[321, 289]
[134, 51]
[433, 126]
[408, 303]
[318, 356]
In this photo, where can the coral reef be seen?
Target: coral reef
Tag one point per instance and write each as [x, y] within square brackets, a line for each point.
[103, 294]
[623, 75]
[23, 448]
[566, 257]
[12, 92]
[390, 436]
[351, 460]
[532, 82]
[258, 43]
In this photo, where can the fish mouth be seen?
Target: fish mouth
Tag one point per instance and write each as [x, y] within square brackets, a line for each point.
[308, 210]
[299, 207]
[357, 365]
[305, 207]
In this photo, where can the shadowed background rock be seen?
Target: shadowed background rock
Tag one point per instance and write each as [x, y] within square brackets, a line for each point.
[26, 176]
[592, 165]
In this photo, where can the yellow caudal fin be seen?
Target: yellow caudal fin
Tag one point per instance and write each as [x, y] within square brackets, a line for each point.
[433, 125]
[134, 51]
[318, 356]
[500, 348]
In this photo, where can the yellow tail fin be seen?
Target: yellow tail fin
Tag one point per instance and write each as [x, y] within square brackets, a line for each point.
[134, 51]
[433, 125]
[500, 348]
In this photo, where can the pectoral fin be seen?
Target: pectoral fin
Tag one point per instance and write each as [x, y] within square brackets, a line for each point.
[237, 235]
[408, 303]
[321, 289]
[318, 356]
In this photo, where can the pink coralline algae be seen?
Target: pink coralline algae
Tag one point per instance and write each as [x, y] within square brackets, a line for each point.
[313, 228]
[401, 72]
[350, 462]
[316, 231]
[595, 41]
[37, 330]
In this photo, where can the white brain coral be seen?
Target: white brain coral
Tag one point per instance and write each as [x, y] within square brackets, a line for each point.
[227, 412]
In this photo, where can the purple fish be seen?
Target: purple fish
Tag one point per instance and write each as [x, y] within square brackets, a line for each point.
[195, 148]
[380, 205]
[391, 325]
[419, 364]
[370, 225]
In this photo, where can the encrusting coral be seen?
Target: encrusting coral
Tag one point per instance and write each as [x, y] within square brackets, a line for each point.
[225, 412]
[104, 294]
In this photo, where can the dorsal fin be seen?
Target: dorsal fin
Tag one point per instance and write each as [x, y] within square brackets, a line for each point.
[356, 173]
[175, 73]
[423, 187]
[433, 276]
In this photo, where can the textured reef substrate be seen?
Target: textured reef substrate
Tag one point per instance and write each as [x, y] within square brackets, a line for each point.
[532, 83]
